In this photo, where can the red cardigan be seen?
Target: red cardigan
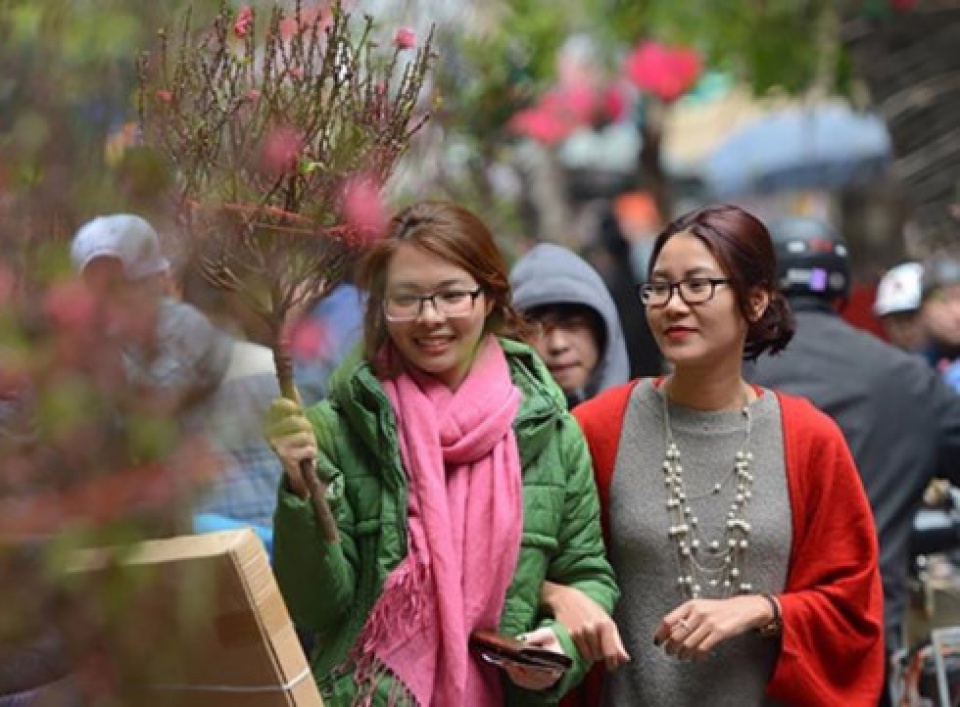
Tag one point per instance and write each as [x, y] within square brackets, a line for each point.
[832, 643]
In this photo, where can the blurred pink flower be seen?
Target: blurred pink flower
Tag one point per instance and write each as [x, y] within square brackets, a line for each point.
[576, 102]
[70, 305]
[164, 95]
[244, 22]
[614, 102]
[308, 340]
[280, 150]
[664, 71]
[541, 125]
[297, 72]
[405, 38]
[363, 207]
[253, 95]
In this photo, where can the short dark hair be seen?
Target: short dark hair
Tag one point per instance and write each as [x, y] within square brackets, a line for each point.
[743, 248]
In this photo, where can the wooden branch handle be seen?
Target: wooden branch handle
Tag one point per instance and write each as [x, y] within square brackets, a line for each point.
[318, 496]
[316, 488]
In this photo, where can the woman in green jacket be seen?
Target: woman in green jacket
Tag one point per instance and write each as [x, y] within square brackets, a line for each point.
[457, 478]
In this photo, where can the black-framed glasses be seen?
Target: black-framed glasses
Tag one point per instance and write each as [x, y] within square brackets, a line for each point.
[693, 290]
[449, 303]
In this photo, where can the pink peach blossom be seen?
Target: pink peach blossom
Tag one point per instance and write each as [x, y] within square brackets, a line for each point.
[244, 22]
[542, 125]
[281, 149]
[363, 207]
[405, 38]
[309, 340]
[662, 70]
[164, 95]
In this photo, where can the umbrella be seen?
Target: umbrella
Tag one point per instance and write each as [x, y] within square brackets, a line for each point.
[825, 147]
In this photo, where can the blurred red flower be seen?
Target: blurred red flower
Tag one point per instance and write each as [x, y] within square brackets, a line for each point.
[308, 340]
[164, 95]
[541, 125]
[664, 71]
[405, 38]
[244, 22]
[363, 207]
[281, 149]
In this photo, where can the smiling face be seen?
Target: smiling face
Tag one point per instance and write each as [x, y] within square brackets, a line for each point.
[703, 335]
[441, 346]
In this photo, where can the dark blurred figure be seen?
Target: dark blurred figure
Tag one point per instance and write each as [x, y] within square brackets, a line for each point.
[901, 421]
[940, 310]
[619, 260]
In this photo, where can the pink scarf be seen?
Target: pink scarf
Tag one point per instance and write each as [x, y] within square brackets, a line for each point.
[464, 527]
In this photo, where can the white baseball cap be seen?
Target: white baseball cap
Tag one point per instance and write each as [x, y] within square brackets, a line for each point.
[899, 290]
[126, 237]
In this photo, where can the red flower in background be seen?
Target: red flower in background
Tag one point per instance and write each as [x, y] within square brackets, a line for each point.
[541, 125]
[405, 38]
[664, 71]
[309, 340]
[70, 305]
[363, 208]
[281, 149]
[164, 95]
[244, 22]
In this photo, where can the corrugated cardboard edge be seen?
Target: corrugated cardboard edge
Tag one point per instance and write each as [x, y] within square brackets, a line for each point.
[231, 543]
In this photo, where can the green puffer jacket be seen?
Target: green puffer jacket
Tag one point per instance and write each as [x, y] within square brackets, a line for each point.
[331, 589]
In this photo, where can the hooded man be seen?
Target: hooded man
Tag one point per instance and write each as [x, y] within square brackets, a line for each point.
[578, 332]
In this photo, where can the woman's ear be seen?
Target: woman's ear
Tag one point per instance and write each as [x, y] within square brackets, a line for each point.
[757, 306]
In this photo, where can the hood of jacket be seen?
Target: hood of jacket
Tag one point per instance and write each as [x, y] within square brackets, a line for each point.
[552, 274]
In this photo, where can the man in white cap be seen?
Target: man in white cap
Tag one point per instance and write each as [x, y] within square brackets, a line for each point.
[897, 305]
[173, 357]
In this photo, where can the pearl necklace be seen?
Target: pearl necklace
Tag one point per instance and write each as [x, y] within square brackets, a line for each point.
[717, 562]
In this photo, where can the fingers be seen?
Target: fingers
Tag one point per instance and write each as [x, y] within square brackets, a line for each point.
[292, 438]
[690, 637]
[601, 642]
[531, 678]
[613, 652]
[542, 638]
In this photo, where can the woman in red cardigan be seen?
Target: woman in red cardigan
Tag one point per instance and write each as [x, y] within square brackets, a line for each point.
[735, 518]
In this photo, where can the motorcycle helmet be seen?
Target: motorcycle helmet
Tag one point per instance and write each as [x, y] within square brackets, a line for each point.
[812, 259]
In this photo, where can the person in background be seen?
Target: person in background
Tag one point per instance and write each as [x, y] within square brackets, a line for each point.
[458, 480]
[901, 422]
[940, 310]
[245, 493]
[173, 357]
[735, 518]
[897, 305]
[577, 331]
[623, 244]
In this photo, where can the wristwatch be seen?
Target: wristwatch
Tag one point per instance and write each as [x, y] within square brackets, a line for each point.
[774, 627]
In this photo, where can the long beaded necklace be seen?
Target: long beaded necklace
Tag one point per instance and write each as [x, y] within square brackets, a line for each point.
[717, 562]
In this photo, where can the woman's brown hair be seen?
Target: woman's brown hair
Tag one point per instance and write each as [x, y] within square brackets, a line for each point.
[743, 248]
[454, 234]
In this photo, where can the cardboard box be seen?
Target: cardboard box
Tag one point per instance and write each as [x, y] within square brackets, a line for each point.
[201, 624]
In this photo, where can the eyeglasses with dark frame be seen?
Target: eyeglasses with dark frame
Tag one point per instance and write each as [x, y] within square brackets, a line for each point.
[449, 303]
[693, 290]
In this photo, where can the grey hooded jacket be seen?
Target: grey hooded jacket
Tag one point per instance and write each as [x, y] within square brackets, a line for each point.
[551, 274]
